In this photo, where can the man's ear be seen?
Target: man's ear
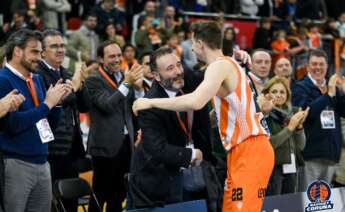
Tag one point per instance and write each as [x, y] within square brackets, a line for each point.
[17, 51]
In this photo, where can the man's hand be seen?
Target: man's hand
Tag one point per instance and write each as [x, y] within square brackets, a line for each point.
[332, 83]
[135, 76]
[11, 102]
[55, 94]
[265, 103]
[244, 57]
[141, 104]
[198, 157]
[80, 75]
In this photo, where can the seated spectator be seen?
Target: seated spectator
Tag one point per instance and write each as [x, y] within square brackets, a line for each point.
[173, 42]
[263, 35]
[110, 34]
[287, 137]
[229, 41]
[128, 59]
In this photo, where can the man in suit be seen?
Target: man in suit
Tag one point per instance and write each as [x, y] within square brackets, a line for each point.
[166, 145]
[67, 147]
[111, 135]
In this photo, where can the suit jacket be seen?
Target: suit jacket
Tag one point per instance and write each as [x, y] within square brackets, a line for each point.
[68, 132]
[321, 143]
[110, 111]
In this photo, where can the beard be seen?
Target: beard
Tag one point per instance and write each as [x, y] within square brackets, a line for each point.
[30, 66]
[169, 83]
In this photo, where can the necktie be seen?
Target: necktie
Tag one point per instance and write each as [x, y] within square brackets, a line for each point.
[32, 90]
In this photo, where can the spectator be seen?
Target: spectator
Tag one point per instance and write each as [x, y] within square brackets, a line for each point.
[27, 132]
[10, 102]
[314, 37]
[83, 43]
[261, 68]
[287, 137]
[173, 42]
[53, 13]
[128, 59]
[322, 127]
[189, 59]
[110, 34]
[148, 75]
[68, 145]
[170, 22]
[111, 135]
[263, 35]
[311, 9]
[107, 13]
[250, 7]
[229, 41]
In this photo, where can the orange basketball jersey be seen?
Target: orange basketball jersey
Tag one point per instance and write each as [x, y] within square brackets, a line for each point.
[236, 113]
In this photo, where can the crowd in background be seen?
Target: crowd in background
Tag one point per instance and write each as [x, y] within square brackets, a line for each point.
[298, 53]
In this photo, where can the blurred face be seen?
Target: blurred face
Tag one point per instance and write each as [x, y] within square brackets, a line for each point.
[342, 17]
[283, 68]
[266, 25]
[129, 53]
[112, 57]
[173, 41]
[170, 11]
[91, 22]
[18, 19]
[110, 30]
[146, 65]
[317, 68]
[229, 35]
[261, 64]
[108, 5]
[150, 7]
[170, 72]
[197, 47]
[30, 55]
[279, 94]
[181, 36]
[54, 51]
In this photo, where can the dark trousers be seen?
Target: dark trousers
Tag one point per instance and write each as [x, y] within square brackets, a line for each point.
[281, 183]
[64, 167]
[2, 177]
[108, 179]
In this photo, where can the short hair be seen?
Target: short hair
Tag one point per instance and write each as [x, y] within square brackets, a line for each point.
[157, 54]
[90, 14]
[275, 80]
[208, 32]
[260, 50]
[146, 53]
[49, 32]
[20, 39]
[317, 53]
[128, 45]
[101, 47]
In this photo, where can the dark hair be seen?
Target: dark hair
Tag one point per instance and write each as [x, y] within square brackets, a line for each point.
[128, 45]
[101, 47]
[208, 32]
[49, 32]
[90, 14]
[147, 53]
[157, 54]
[317, 53]
[20, 38]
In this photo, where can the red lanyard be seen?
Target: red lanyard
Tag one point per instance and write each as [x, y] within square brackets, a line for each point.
[32, 90]
[106, 77]
[183, 126]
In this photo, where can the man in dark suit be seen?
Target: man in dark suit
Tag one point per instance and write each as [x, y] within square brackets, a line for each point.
[67, 147]
[167, 140]
[111, 135]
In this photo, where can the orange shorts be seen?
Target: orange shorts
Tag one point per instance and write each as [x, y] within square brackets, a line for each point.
[250, 166]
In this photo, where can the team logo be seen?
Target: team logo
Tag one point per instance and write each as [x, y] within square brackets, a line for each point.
[319, 193]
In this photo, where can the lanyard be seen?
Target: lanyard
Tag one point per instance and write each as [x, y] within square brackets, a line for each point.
[32, 90]
[188, 131]
[106, 77]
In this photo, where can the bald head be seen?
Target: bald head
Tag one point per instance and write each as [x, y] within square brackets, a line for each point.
[283, 67]
[261, 64]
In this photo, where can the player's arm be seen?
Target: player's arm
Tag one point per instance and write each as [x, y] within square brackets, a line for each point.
[215, 74]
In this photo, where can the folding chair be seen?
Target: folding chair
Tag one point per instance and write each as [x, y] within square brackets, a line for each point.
[73, 188]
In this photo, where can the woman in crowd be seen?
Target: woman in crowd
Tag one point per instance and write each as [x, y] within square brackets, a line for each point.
[287, 136]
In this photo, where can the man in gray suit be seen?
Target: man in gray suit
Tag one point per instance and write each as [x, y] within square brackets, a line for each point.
[111, 136]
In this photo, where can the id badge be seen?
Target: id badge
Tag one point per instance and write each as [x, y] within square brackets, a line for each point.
[327, 119]
[44, 131]
[290, 167]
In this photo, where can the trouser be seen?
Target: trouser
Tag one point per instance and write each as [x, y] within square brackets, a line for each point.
[27, 186]
[250, 165]
[281, 183]
[316, 169]
[108, 179]
[64, 167]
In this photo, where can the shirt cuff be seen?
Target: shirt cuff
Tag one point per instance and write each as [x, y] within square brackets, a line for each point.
[139, 93]
[123, 89]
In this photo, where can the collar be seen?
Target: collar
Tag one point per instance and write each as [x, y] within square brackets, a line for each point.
[15, 72]
[149, 82]
[49, 66]
[170, 93]
[257, 79]
[315, 83]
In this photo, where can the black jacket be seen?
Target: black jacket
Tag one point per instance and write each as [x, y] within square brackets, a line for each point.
[68, 134]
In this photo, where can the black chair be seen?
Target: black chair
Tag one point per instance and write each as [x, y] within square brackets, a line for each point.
[73, 188]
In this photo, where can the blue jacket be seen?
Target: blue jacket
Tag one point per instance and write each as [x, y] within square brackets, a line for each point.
[20, 138]
[321, 143]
